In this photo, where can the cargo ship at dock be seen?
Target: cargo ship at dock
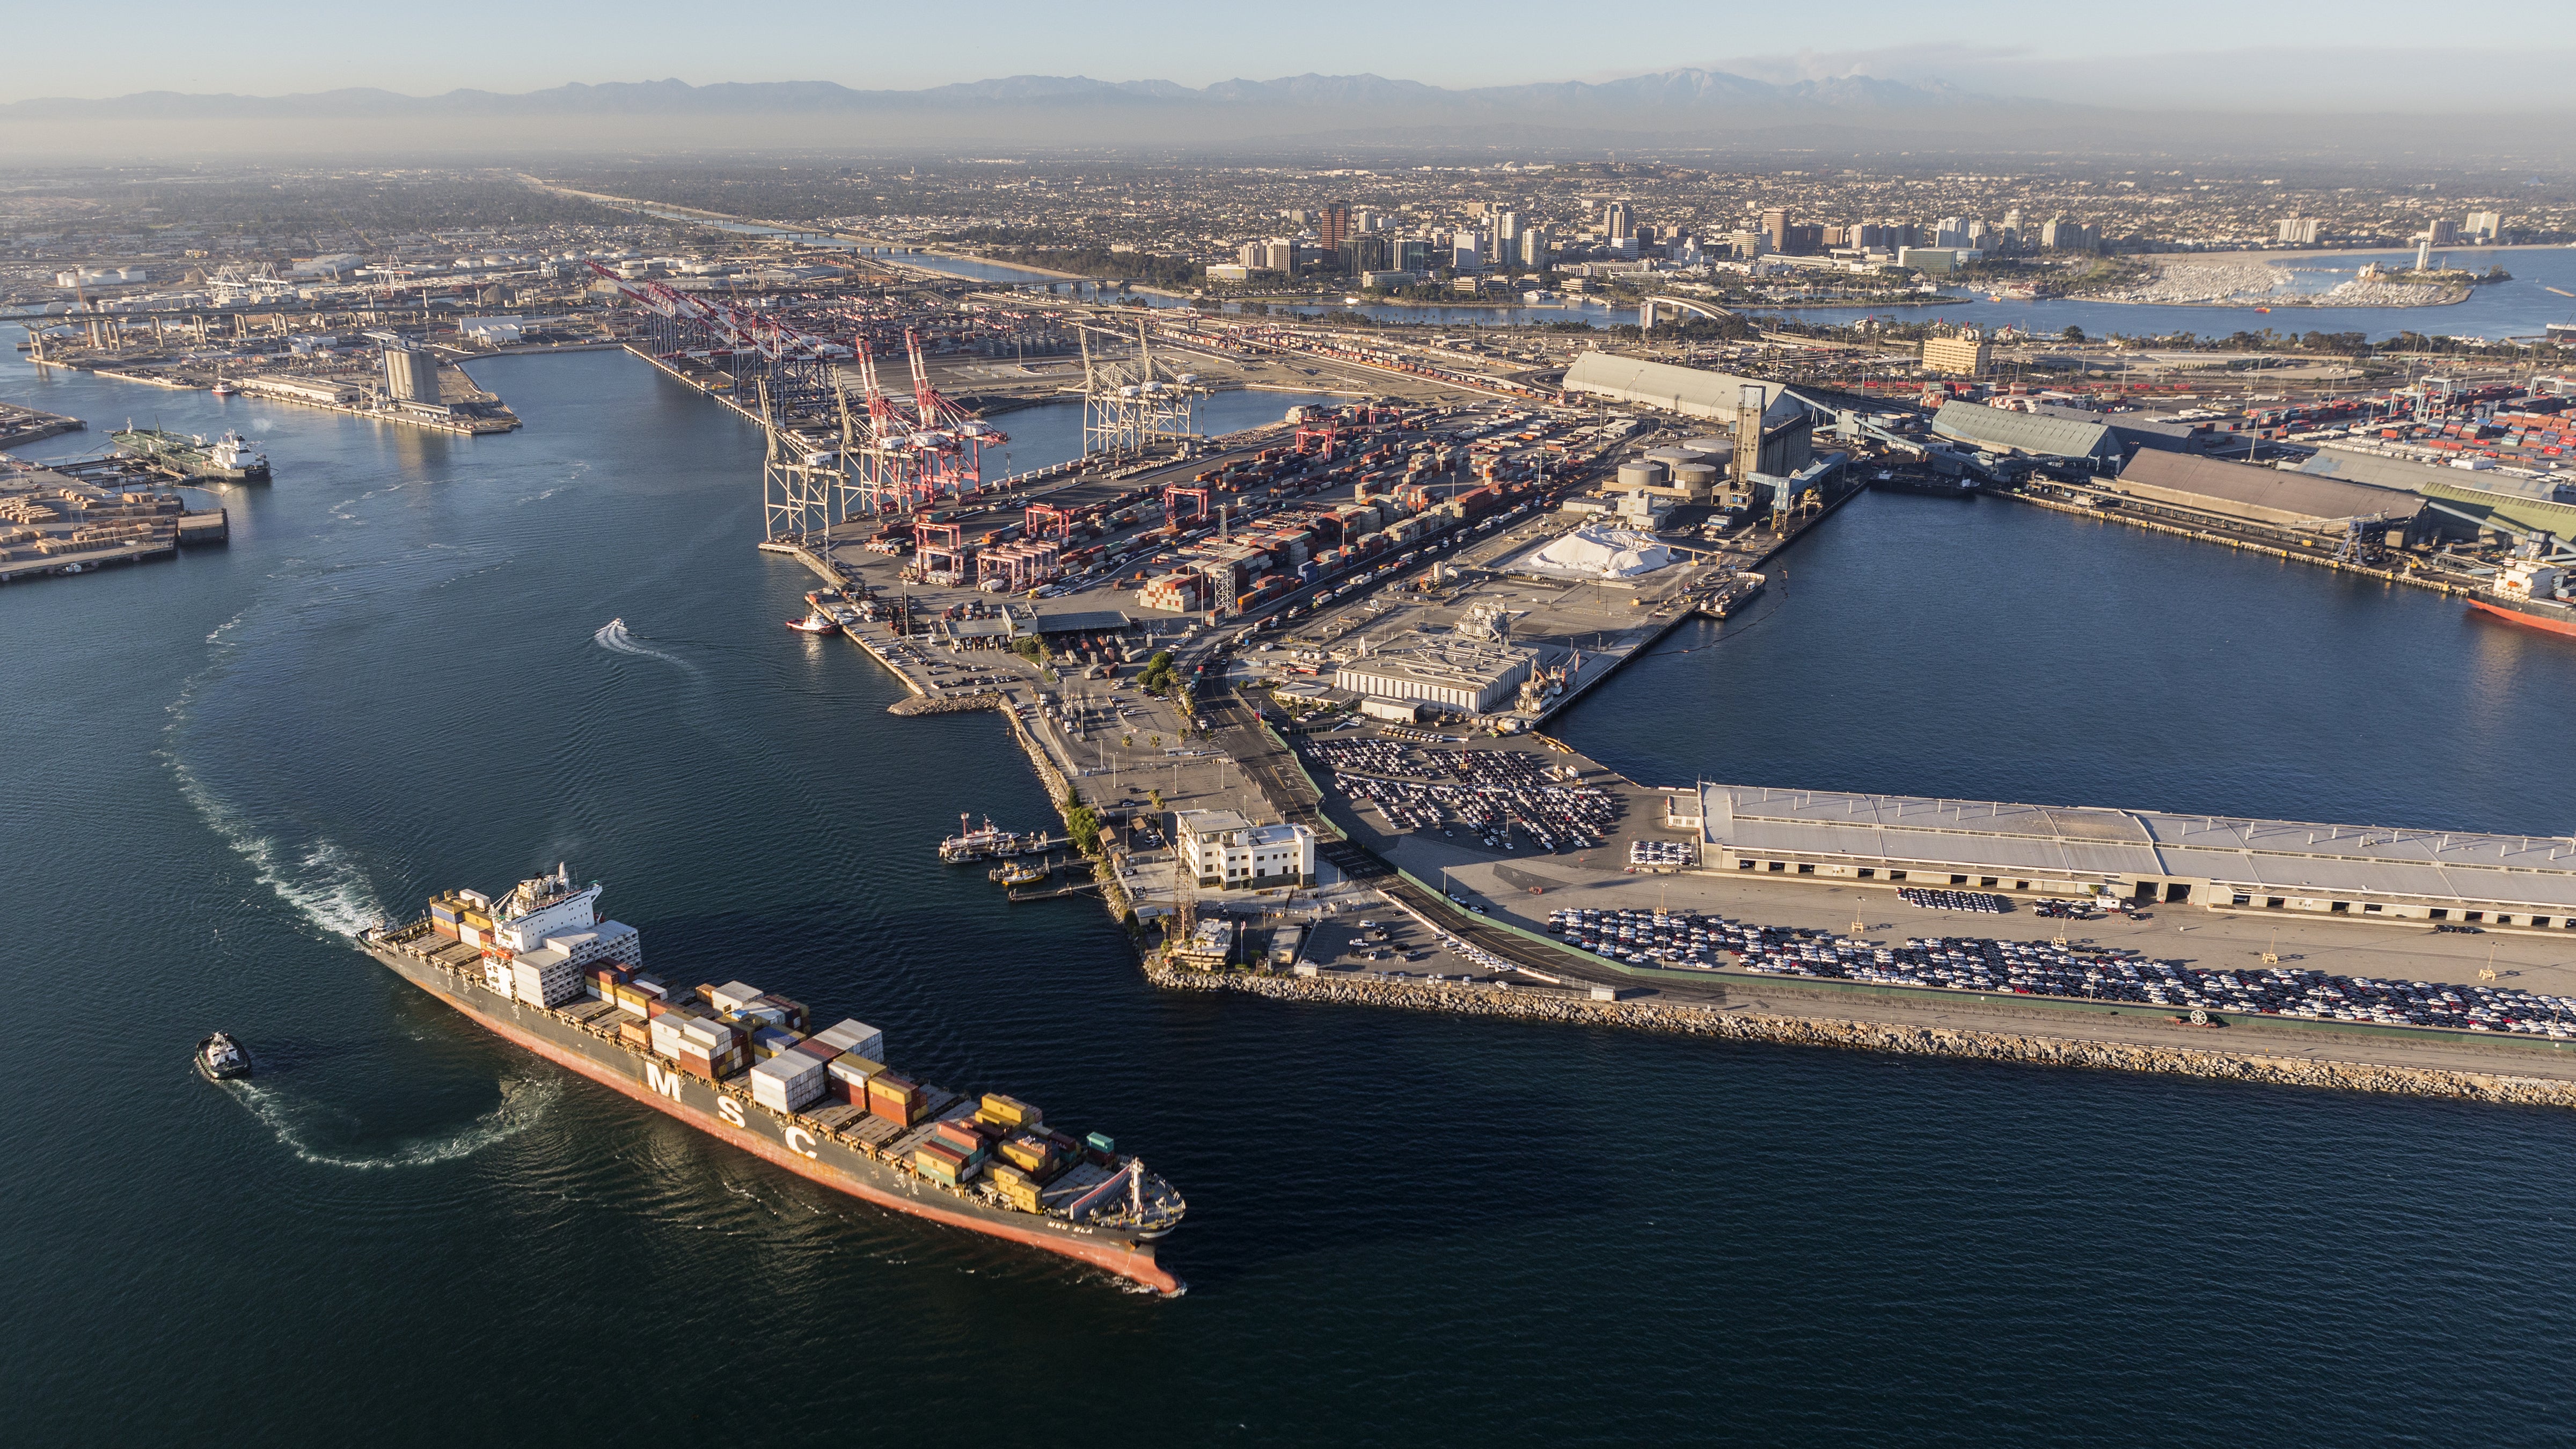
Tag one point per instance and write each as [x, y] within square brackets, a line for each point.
[225, 458]
[2532, 593]
[541, 968]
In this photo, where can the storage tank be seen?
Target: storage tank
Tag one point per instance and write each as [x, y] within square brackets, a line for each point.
[1644, 473]
[1697, 480]
[1674, 457]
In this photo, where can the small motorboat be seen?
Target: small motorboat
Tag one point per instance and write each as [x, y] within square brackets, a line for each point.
[220, 1058]
[223, 388]
[814, 623]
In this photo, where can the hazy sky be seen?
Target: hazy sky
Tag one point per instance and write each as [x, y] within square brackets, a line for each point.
[2258, 54]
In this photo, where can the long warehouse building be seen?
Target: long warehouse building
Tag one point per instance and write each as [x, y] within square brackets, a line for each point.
[2217, 862]
[2269, 496]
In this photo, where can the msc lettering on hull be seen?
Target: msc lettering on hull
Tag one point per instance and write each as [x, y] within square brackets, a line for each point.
[798, 1140]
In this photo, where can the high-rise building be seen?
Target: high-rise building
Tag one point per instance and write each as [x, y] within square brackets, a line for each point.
[1507, 230]
[1533, 246]
[1775, 225]
[1617, 222]
[1408, 253]
[2485, 225]
[2069, 236]
[2299, 230]
[2012, 225]
[411, 376]
[1466, 252]
[2441, 233]
[1332, 227]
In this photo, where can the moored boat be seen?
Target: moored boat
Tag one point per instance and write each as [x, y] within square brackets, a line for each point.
[2530, 592]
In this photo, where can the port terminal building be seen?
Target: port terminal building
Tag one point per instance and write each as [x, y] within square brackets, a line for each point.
[2269, 497]
[1788, 420]
[1470, 675]
[1230, 852]
[2213, 862]
[2048, 436]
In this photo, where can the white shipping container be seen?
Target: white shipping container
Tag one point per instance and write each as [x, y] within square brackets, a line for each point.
[782, 1085]
[608, 942]
[854, 1036]
[544, 987]
[732, 996]
[707, 1035]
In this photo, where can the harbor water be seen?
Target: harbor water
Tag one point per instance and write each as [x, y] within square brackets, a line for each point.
[402, 674]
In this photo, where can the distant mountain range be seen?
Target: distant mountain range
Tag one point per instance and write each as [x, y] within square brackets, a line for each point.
[1670, 96]
[1295, 117]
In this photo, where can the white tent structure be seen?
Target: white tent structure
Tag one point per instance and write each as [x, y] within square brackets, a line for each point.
[1596, 551]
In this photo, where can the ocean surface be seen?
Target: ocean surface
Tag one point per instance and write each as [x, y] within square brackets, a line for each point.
[402, 675]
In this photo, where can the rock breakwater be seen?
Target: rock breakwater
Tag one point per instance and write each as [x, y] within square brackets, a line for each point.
[2031, 1048]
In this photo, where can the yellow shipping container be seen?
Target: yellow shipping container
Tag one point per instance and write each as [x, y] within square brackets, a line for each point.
[1026, 1152]
[1010, 1111]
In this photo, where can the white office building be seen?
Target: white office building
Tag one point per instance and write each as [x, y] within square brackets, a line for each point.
[1226, 850]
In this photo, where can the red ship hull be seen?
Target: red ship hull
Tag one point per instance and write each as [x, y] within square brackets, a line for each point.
[2553, 625]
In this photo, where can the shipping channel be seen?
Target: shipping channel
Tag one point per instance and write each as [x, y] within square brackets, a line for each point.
[1406, 1227]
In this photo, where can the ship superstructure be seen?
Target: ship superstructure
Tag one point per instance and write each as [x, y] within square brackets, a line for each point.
[541, 967]
[2532, 591]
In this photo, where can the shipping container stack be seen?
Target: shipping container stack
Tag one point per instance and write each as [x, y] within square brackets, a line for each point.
[544, 977]
[788, 1082]
[709, 1049]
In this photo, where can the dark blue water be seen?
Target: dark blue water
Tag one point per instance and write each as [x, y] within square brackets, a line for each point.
[1405, 1229]
[1989, 650]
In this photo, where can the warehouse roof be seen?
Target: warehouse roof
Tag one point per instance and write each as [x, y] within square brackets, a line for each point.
[2527, 502]
[2138, 430]
[2243, 488]
[2037, 433]
[1090, 621]
[1688, 390]
[2068, 842]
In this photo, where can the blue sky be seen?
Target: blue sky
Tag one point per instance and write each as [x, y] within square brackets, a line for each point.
[2263, 54]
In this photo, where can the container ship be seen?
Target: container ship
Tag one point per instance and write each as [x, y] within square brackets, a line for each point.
[2531, 592]
[541, 967]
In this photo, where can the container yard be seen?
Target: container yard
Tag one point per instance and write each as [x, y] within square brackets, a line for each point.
[540, 967]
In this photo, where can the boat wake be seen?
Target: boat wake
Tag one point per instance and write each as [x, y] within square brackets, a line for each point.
[522, 1103]
[613, 636]
[320, 880]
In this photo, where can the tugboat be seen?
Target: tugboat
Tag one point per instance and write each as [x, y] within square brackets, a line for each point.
[813, 623]
[220, 1058]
